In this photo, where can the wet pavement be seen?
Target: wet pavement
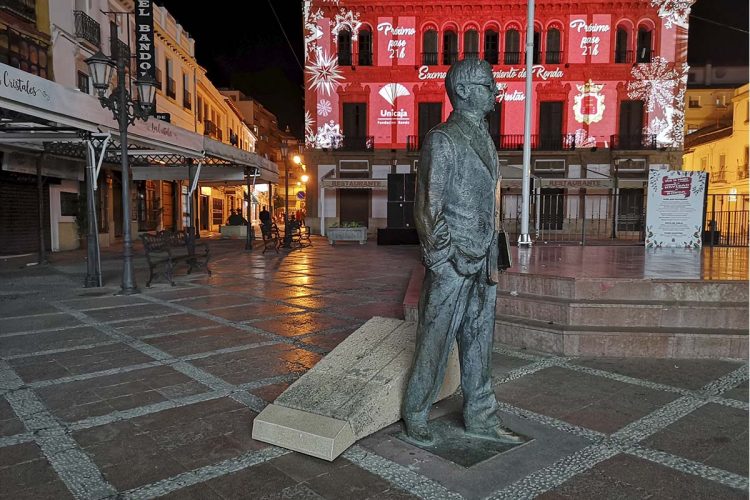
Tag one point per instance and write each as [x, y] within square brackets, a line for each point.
[154, 394]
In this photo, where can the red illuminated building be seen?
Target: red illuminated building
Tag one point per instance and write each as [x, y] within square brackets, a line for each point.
[608, 95]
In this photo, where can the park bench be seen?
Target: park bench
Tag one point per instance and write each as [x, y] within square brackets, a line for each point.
[168, 248]
[271, 237]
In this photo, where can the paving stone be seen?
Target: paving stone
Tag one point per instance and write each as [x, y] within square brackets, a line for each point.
[205, 340]
[88, 303]
[739, 393]
[216, 301]
[130, 312]
[624, 477]
[329, 341]
[260, 481]
[258, 363]
[367, 311]
[348, 483]
[9, 423]
[66, 364]
[713, 434]
[684, 373]
[26, 473]
[270, 392]
[168, 324]
[16, 345]
[254, 311]
[300, 324]
[598, 403]
[40, 322]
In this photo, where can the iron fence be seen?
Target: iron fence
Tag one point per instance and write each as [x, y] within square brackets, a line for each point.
[557, 216]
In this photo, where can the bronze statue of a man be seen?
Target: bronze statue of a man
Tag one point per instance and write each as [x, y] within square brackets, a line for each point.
[456, 216]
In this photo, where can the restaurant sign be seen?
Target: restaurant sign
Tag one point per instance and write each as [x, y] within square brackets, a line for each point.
[144, 21]
[355, 184]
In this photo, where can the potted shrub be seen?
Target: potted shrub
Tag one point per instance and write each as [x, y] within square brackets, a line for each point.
[347, 231]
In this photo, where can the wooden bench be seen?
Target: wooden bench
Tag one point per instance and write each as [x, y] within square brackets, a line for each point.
[167, 248]
[271, 237]
[301, 235]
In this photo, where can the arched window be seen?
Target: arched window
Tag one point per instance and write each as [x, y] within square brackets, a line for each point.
[471, 44]
[450, 47]
[491, 41]
[643, 52]
[554, 55]
[364, 44]
[430, 47]
[622, 54]
[537, 47]
[345, 47]
[512, 47]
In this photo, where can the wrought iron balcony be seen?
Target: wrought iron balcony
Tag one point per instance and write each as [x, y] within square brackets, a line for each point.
[345, 58]
[119, 49]
[209, 128]
[543, 142]
[623, 56]
[87, 28]
[413, 143]
[471, 55]
[491, 57]
[450, 57]
[365, 58]
[430, 58]
[25, 9]
[553, 56]
[633, 142]
[644, 55]
[512, 58]
[171, 88]
[187, 100]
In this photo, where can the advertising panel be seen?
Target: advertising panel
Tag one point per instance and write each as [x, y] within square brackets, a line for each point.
[674, 217]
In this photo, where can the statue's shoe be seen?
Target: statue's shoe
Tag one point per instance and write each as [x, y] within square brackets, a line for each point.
[497, 433]
[418, 433]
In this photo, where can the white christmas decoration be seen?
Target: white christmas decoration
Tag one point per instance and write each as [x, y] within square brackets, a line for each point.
[391, 91]
[674, 12]
[313, 32]
[324, 107]
[583, 139]
[329, 135]
[346, 20]
[324, 73]
[309, 132]
[654, 83]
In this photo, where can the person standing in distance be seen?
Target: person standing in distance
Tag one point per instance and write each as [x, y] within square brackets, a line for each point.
[457, 218]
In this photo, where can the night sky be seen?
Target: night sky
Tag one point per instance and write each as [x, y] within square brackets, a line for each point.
[242, 46]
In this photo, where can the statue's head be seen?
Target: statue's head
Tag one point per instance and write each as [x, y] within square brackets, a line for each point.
[471, 86]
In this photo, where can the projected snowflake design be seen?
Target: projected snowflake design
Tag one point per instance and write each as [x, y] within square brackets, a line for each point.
[584, 140]
[674, 12]
[313, 32]
[653, 83]
[324, 73]
[346, 20]
[324, 107]
[656, 127]
[309, 132]
[678, 112]
[329, 135]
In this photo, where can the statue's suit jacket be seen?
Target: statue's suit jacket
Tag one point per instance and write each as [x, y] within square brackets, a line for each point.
[457, 204]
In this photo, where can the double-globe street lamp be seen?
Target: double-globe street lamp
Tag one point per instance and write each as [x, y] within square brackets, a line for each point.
[125, 110]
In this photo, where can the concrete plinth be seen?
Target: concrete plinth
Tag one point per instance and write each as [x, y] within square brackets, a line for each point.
[356, 390]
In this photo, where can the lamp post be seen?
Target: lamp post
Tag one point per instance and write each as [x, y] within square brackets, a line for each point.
[125, 110]
[297, 160]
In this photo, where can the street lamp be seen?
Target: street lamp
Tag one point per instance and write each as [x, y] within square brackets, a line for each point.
[125, 110]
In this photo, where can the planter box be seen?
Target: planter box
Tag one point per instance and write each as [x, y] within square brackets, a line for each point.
[347, 234]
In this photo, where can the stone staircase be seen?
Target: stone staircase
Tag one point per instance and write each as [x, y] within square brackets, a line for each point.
[623, 317]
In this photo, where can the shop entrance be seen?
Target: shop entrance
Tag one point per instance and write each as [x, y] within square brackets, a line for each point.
[354, 205]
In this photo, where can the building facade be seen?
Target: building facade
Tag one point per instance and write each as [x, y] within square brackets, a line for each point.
[609, 82]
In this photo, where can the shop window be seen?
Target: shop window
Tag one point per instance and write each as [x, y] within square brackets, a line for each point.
[553, 55]
[217, 212]
[344, 42]
[694, 102]
[365, 47]
[512, 47]
[471, 44]
[430, 47]
[643, 52]
[491, 41]
[450, 47]
[24, 53]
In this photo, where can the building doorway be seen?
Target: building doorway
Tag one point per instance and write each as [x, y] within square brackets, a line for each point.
[354, 206]
[204, 213]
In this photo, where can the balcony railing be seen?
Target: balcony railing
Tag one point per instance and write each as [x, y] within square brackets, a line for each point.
[512, 58]
[364, 58]
[623, 56]
[187, 100]
[87, 28]
[209, 128]
[430, 58]
[644, 55]
[547, 142]
[171, 88]
[633, 142]
[471, 55]
[742, 173]
[158, 79]
[449, 57]
[553, 56]
[357, 143]
[491, 57]
[413, 143]
[23, 8]
[720, 176]
[345, 58]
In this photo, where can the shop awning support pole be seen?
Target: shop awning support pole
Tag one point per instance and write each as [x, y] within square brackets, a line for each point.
[194, 173]
[524, 238]
[93, 262]
[249, 236]
[40, 196]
